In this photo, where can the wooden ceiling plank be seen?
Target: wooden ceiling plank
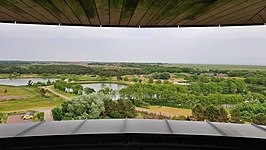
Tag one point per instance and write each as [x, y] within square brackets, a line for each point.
[29, 10]
[37, 7]
[219, 11]
[244, 20]
[229, 12]
[4, 15]
[187, 12]
[239, 11]
[243, 17]
[17, 17]
[257, 19]
[179, 9]
[91, 11]
[103, 11]
[210, 8]
[78, 10]
[127, 11]
[51, 8]
[246, 16]
[3, 19]
[155, 7]
[140, 11]
[65, 9]
[263, 14]
[19, 11]
[115, 11]
[163, 12]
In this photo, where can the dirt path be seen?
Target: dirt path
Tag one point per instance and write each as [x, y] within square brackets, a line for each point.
[16, 119]
[56, 93]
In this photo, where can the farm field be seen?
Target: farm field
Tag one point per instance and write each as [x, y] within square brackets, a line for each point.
[221, 67]
[171, 111]
[30, 98]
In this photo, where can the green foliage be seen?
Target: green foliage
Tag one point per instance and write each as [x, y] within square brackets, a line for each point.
[89, 90]
[210, 113]
[107, 91]
[164, 75]
[40, 116]
[94, 106]
[198, 113]
[119, 109]
[235, 115]
[3, 117]
[57, 114]
[83, 107]
[43, 92]
[150, 80]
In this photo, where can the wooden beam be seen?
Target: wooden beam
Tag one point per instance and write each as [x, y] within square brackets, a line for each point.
[238, 10]
[179, 9]
[29, 10]
[51, 8]
[115, 11]
[66, 10]
[37, 7]
[103, 11]
[91, 11]
[16, 16]
[152, 11]
[142, 7]
[19, 11]
[164, 12]
[77, 9]
[127, 11]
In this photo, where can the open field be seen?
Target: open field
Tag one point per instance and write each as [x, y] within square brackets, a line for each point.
[171, 111]
[222, 67]
[31, 99]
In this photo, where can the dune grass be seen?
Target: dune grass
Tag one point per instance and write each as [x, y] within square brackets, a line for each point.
[171, 111]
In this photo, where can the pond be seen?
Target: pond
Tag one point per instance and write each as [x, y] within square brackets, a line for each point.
[22, 82]
[99, 86]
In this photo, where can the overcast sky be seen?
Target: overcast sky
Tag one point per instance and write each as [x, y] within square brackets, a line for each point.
[228, 45]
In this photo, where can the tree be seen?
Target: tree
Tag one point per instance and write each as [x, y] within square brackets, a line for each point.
[57, 114]
[126, 79]
[107, 91]
[83, 107]
[198, 113]
[89, 90]
[43, 92]
[223, 115]
[150, 80]
[49, 82]
[30, 82]
[260, 119]
[235, 115]
[212, 113]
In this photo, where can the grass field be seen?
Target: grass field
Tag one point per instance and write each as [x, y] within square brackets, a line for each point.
[171, 111]
[32, 99]
[222, 67]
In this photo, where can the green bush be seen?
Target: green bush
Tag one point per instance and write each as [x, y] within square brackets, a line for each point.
[57, 114]
[40, 116]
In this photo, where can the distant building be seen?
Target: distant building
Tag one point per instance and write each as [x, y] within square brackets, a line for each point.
[222, 75]
[180, 83]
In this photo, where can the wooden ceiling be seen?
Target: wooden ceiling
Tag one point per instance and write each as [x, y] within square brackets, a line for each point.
[135, 13]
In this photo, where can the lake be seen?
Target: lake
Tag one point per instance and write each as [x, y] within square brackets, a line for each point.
[98, 86]
[22, 82]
